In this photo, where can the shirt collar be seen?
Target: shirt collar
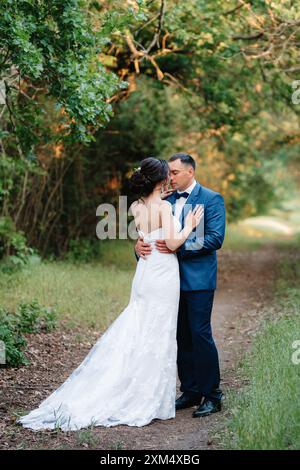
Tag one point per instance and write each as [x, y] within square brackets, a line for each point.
[189, 189]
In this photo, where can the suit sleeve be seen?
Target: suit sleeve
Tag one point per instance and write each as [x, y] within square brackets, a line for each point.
[137, 257]
[214, 230]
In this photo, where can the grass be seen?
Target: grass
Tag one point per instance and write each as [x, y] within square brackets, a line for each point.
[89, 294]
[87, 438]
[266, 413]
[118, 445]
[119, 253]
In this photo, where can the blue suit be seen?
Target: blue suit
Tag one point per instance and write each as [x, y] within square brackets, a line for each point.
[198, 267]
[197, 355]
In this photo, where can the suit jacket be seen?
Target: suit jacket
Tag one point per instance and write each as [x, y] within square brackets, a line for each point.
[197, 256]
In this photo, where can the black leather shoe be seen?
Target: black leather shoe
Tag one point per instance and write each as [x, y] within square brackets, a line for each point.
[185, 401]
[207, 408]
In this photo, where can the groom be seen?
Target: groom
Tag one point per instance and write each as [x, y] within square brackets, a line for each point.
[197, 357]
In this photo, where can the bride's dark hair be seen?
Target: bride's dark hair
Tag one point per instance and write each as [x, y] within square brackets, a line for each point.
[145, 178]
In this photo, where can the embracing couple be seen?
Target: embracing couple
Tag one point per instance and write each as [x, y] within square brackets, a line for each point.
[129, 376]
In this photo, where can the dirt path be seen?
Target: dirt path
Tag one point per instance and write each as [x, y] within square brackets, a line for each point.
[245, 286]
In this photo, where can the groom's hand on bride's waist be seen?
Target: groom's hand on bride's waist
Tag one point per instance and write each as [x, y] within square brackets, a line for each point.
[162, 247]
[142, 248]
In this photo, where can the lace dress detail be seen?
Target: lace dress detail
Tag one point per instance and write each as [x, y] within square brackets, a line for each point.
[129, 375]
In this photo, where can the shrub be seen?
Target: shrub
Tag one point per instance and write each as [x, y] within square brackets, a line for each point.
[83, 250]
[33, 318]
[29, 318]
[14, 252]
[13, 340]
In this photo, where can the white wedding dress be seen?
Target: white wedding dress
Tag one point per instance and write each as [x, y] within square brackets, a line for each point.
[129, 376]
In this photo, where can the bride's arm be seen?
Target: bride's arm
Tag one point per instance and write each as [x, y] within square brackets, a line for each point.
[173, 238]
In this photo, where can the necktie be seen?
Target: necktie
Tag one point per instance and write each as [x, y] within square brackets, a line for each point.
[178, 195]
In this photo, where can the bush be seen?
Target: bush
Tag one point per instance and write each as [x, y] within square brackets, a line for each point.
[13, 340]
[29, 318]
[13, 242]
[83, 250]
[33, 318]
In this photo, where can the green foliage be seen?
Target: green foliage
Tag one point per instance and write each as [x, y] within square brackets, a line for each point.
[143, 125]
[15, 243]
[12, 172]
[117, 81]
[54, 48]
[33, 318]
[13, 340]
[83, 251]
[222, 100]
[28, 318]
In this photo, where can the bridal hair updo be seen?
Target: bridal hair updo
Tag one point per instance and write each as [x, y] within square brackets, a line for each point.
[145, 178]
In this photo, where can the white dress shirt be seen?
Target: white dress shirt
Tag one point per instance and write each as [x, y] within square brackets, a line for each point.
[182, 200]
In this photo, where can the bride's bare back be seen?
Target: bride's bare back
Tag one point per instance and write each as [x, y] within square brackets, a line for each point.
[147, 215]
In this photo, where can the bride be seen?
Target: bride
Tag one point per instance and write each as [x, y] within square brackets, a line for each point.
[129, 376]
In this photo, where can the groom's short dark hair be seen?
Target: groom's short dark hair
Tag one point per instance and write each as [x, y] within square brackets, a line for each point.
[184, 158]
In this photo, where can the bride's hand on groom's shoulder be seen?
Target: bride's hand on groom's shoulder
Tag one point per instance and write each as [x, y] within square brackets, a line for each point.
[166, 193]
[166, 190]
[142, 248]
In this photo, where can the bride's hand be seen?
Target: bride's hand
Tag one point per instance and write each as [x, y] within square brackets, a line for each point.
[166, 193]
[194, 216]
